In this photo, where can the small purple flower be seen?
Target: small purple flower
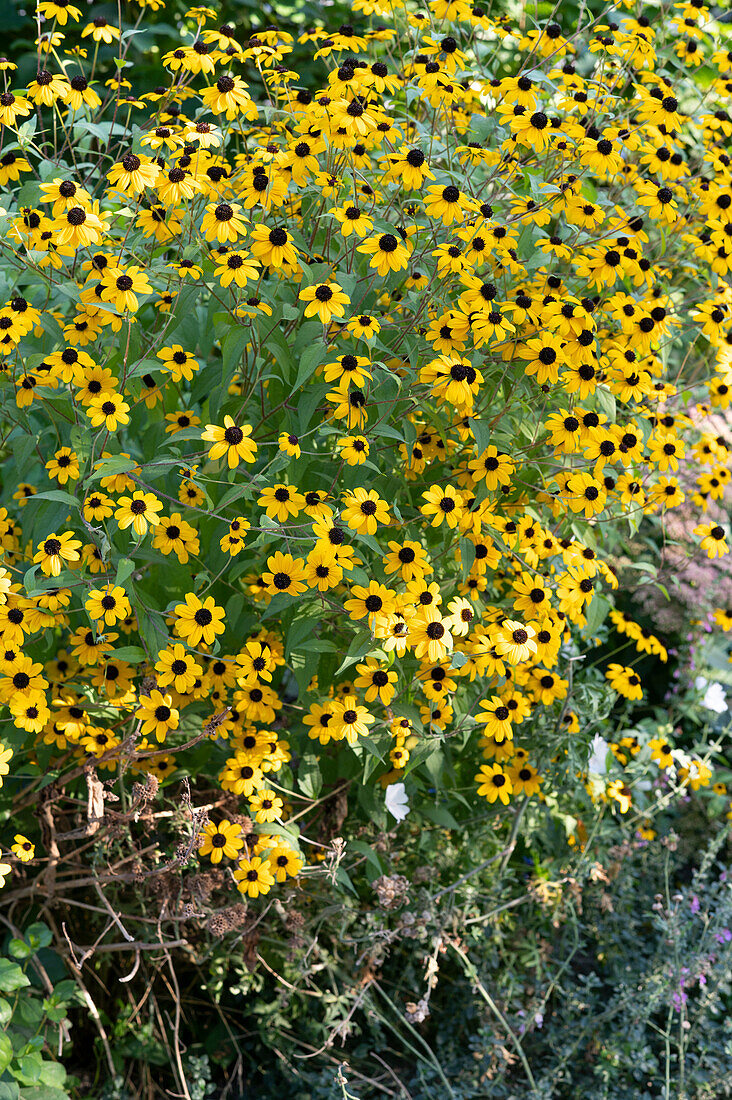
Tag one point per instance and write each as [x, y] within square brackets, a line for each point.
[695, 904]
[723, 936]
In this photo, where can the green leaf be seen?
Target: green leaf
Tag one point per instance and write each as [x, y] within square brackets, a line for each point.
[596, 614]
[29, 577]
[125, 569]
[481, 433]
[130, 653]
[19, 949]
[642, 566]
[234, 493]
[307, 403]
[467, 556]
[435, 765]
[344, 879]
[605, 402]
[29, 1069]
[39, 935]
[24, 453]
[359, 647]
[53, 1075]
[440, 816]
[81, 442]
[117, 464]
[369, 853]
[232, 347]
[11, 977]
[370, 541]
[43, 1092]
[301, 629]
[309, 361]
[388, 432]
[6, 1053]
[29, 1011]
[152, 632]
[59, 495]
[309, 778]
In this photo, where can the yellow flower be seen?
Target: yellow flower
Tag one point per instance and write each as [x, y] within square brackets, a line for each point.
[443, 505]
[289, 444]
[64, 466]
[108, 605]
[5, 756]
[285, 575]
[177, 668]
[254, 876]
[283, 862]
[121, 287]
[280, 502]
[387, 254]
[108, 411]
[713, 539]
[354, 449]
[157, 714]
[494, 783]
[223, 222]
[221, 840]
[236, 267]
[199, 620]
[429, 634]
[325, 301]
[23, 848]
[266, 805]
[232, 441]
[515, 641]
[178, 363]
[625, 681]
[137, 512]
[56, 551]
[365, 510]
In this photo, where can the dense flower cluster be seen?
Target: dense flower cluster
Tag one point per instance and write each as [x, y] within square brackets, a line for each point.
[324, 410]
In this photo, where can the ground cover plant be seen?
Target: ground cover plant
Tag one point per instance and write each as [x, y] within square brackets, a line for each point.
[363, 576]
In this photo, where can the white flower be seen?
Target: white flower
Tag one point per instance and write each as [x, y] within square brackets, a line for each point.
[715, 697]
[598, 762]
[397, 802]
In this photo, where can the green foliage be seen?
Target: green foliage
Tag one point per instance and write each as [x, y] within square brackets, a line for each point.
[34, 1017]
